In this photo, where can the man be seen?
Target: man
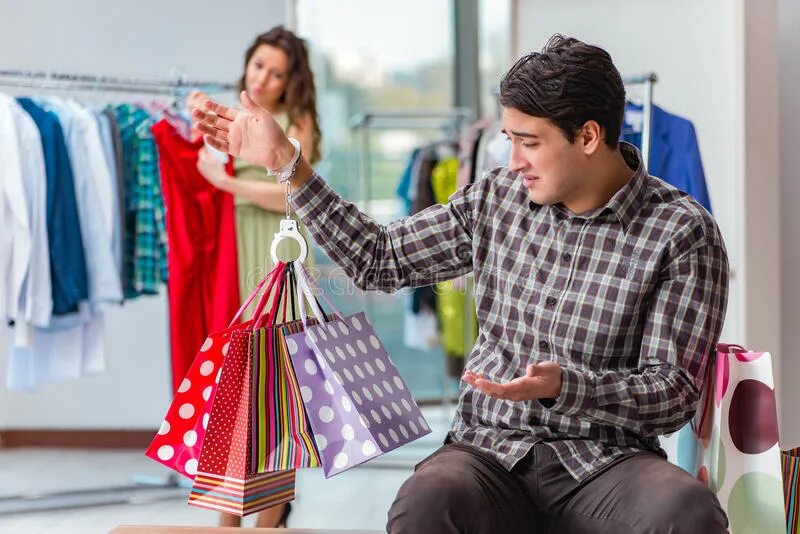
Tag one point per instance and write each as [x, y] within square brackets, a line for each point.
[601, 292]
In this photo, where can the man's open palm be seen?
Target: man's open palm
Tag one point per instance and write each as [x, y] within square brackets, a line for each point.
[541, 381]
[250, 133]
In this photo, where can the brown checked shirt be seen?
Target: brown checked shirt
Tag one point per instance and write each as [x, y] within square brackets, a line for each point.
[629, 299]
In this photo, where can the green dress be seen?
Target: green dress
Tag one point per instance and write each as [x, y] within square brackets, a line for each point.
[256, 228]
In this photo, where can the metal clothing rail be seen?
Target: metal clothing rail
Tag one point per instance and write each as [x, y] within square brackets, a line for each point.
[61, 80]
[448, 120]
[647, 80]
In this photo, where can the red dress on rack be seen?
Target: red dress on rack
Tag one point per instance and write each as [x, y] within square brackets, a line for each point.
[203, 276]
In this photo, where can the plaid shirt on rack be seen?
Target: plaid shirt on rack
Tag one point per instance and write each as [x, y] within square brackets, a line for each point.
[629, 299]
[146, 239]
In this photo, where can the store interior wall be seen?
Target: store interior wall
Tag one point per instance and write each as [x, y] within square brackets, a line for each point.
[789, 68]
[148, 39]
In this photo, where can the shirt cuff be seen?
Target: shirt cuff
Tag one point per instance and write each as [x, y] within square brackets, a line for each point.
[312, 197]
[576, 393]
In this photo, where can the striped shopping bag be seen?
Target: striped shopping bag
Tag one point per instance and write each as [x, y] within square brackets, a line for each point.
[791, 486]
[282, 436]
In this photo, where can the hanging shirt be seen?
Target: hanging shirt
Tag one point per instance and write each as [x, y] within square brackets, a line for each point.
[24, 249]
[67, 259]
[674, 151]
[107, 141]
[71, 346]
[119, 173]
[146, 238]
[95, 200]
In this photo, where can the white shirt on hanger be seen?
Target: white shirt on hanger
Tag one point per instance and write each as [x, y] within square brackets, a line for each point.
[73, 345]
[24, 184]
[94, 199]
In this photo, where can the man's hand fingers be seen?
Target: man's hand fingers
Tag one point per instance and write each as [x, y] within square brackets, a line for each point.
[219, 135]
[249, 104]
[219, 145]
[492, 388]
[211, 119]
[220, 109]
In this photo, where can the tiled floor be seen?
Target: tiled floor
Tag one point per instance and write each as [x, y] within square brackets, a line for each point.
[358, 498]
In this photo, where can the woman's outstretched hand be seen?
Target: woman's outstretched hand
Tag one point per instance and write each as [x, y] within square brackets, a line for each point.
[250, 133]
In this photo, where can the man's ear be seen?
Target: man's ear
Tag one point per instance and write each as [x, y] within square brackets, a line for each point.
[590, 137]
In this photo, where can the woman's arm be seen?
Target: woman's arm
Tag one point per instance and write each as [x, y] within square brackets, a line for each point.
[303, 131]
[266, 195]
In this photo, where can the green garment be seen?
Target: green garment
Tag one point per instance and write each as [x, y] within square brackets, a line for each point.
[450, 301]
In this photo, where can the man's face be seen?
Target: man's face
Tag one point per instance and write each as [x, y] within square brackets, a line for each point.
[549, 165]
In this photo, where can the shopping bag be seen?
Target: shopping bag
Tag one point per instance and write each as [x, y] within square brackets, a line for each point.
[791, 486]
[358, 406]
[179, 440]
[225, 480]
[737, 441]
[282, 437]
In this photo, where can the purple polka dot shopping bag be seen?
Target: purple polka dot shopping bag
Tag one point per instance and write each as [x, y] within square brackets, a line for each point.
[357, 404]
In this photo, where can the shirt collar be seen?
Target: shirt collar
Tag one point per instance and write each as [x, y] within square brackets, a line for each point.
[626, 202]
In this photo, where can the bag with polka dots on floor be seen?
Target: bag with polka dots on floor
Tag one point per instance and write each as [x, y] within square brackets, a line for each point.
[357, 404]
[732, 443]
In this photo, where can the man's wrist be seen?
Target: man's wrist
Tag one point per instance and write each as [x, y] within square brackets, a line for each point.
[283, 154]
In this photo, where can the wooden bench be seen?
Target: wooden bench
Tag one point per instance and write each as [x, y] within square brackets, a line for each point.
[154, 529]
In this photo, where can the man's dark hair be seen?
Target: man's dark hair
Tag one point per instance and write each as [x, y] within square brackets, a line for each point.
[569, 82]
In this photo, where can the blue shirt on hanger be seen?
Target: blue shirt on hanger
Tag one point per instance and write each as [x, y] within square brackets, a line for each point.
[67, 259]
[674, 151]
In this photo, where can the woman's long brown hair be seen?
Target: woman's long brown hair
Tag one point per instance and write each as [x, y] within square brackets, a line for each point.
[300, 97]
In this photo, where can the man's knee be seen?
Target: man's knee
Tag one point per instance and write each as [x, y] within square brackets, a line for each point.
[433, 499]
[691, 508]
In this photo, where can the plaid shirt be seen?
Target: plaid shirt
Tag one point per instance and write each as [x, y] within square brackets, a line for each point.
[629, 299]
[146, 239]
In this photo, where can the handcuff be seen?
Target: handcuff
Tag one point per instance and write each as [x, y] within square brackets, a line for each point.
[285, 173]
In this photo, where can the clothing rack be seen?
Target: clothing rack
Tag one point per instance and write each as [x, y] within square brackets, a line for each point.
[450, 121]
[145, 488]
[647, 80]
[60, 80]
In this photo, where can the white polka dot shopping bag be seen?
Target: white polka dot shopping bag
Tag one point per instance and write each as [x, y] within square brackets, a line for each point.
[204, 435]
[358, 406]
[732, 444]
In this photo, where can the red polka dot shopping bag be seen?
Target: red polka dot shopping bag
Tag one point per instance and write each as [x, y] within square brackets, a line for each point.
[205, 434]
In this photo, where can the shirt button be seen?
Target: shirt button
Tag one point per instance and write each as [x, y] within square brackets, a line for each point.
[551, 301]
[567, 257]
[544, 345]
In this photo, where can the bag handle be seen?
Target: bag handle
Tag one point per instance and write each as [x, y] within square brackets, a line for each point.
[730, 348]
[305, 294]
[268, 279]
[269, 317]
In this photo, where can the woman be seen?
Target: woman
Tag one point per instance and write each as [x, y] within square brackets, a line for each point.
[278, 78]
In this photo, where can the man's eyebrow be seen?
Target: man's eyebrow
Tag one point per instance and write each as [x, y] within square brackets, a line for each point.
[520, 134]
